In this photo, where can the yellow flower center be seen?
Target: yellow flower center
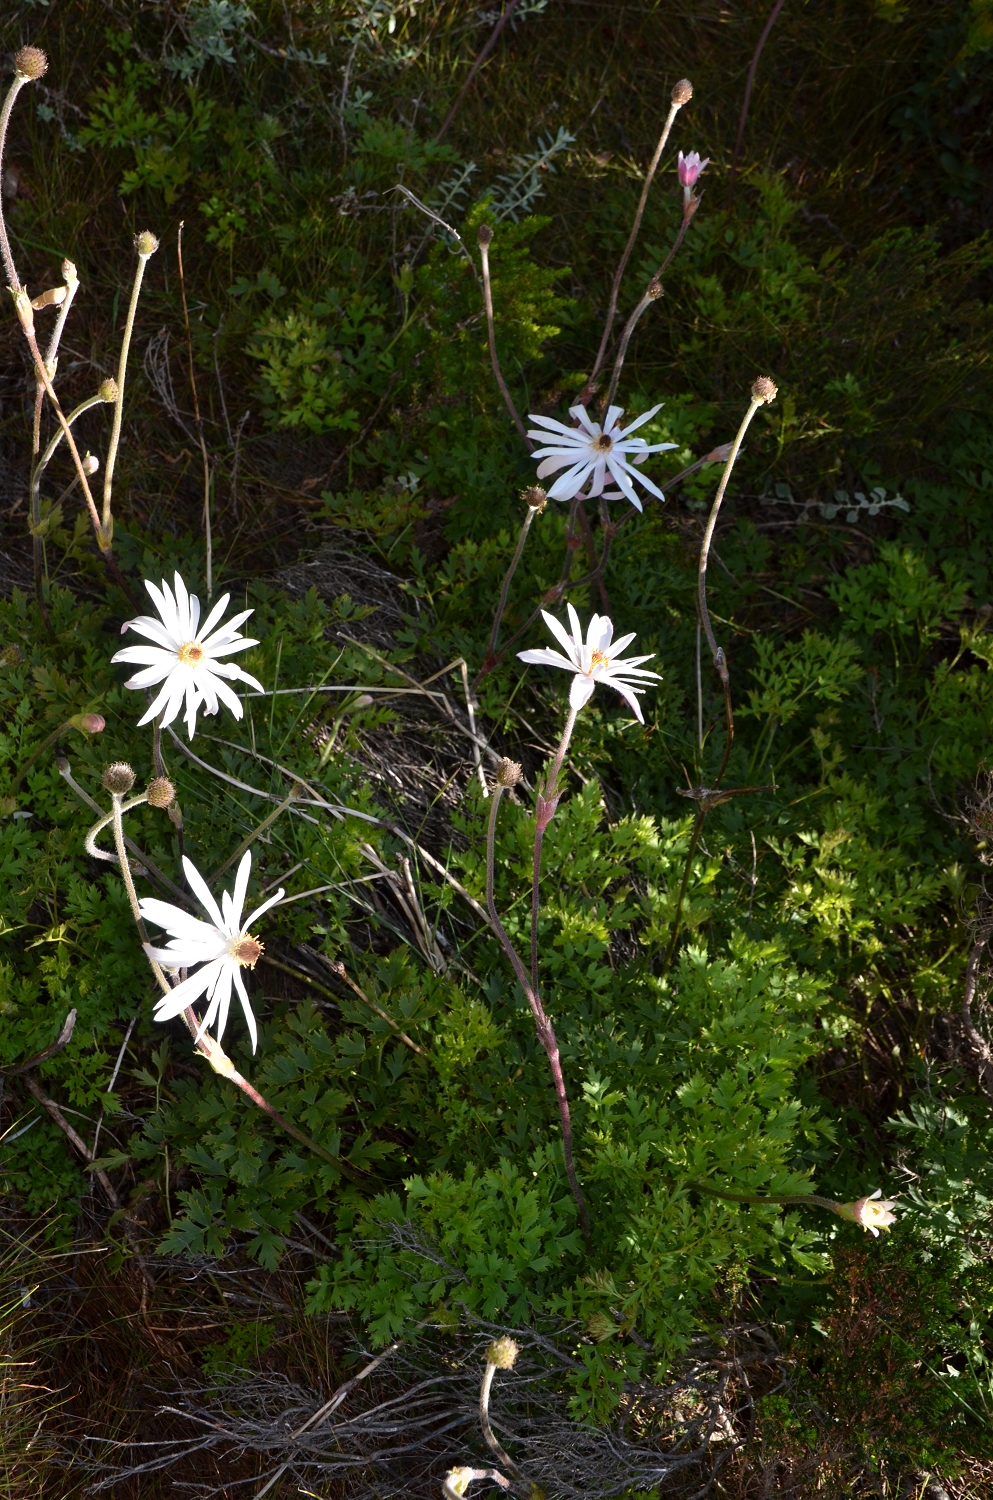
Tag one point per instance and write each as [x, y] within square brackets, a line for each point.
[191, 655]
[603, 443]
[597, 659]
[247, 950]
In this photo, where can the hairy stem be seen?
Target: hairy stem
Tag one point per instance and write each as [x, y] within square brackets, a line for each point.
[208, 534]
[615, 290]
[492, 1441]
[122, 368]
[5, 112]
[507, 578]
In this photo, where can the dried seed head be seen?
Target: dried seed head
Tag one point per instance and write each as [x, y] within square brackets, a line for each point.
[534, 497]
[90, 463]
[11, 656]
[507, 773]
[161, 792]
[485, 235]
[764, 389]
[108, 389]
[654, 290]
[145, 243]
[682, 92]
[118, 778]
[503, 1353]
[30, 63]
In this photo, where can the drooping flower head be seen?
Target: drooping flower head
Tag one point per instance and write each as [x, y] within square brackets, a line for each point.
[689, 169]
[597, 659]
[224, 946]
[589, 452]
[873, 1213]
[185, 655]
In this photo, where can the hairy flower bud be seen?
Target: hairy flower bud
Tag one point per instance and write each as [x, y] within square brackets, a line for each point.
[764, 389]
[145, 243]
[507, 773]
[654, 289]
[682, 92]
[90, 463]
[118, 778]
[161, 792]
[534, 497]
[69, 273]
[503, 1353]
[108, 389]
[485, 235]
[30, 63]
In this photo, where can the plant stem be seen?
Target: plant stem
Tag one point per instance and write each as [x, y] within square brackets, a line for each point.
[646, 301]
[208, 534]
[481, 57]
[749, 85]
[484, 255]
[507, 577]
[122, 367]
[626, 256]
[711, 524]
[492, 1441]
[5, 112]
[540, 824]
[543, 1026]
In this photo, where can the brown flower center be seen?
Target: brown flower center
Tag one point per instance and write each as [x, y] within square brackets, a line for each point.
[191, 655]
[247, 951]
[597, 659]
[603, 443]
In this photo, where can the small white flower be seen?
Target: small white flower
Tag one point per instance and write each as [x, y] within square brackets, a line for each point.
[873, 1215]
[186, 655]
[224, 946]
[591, 451]
[593, 660]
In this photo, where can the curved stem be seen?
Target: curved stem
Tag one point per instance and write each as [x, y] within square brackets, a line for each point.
[49, 453]
[481, 57]
[122, 367]
[626, 255]
[645, 302]
[5, 250]
[543, 1025]
[759, 1198]
[507, 577]
[484, 255]
[749, 85]
[492, 1441]
[711, 524]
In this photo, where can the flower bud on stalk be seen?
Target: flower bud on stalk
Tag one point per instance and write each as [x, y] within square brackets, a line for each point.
[764, 390]
[682, 92]
[30, 64]
[161, 792]
[118, 778]
[107, 390]
[534, 497]
[503, 1353]
[485, 236]
[89, 723]
[508, 773]
[145, 243]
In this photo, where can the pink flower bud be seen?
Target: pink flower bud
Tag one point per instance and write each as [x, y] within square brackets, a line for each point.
[544, 810]
[690, 167]
[89, 723]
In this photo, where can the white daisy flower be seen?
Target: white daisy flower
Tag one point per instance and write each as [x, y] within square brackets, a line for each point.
[224, 946]
[594, 660]
[590, 451]
[186, 655]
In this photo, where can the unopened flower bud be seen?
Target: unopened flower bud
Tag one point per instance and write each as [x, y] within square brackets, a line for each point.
[503, 1353]
[718, 455]
[108, 389]
[485, 235]
[534, 497]
[89, 723]
[654, 289]
[161, 792]
[118, 778]
[764, 389]
[90, 463]
[507, 773]
[682, 92]
[54, 297]
[69, 272]
[364, 700]
[30, 64]
[145, 243]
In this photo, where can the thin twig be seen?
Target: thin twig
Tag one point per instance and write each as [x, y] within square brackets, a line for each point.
[651, 294]
[146, 245]
[481, 57]
[485, 239]
[196, 416]
[746, 102]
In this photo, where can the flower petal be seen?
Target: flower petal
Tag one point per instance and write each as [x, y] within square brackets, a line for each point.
[201, 890]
